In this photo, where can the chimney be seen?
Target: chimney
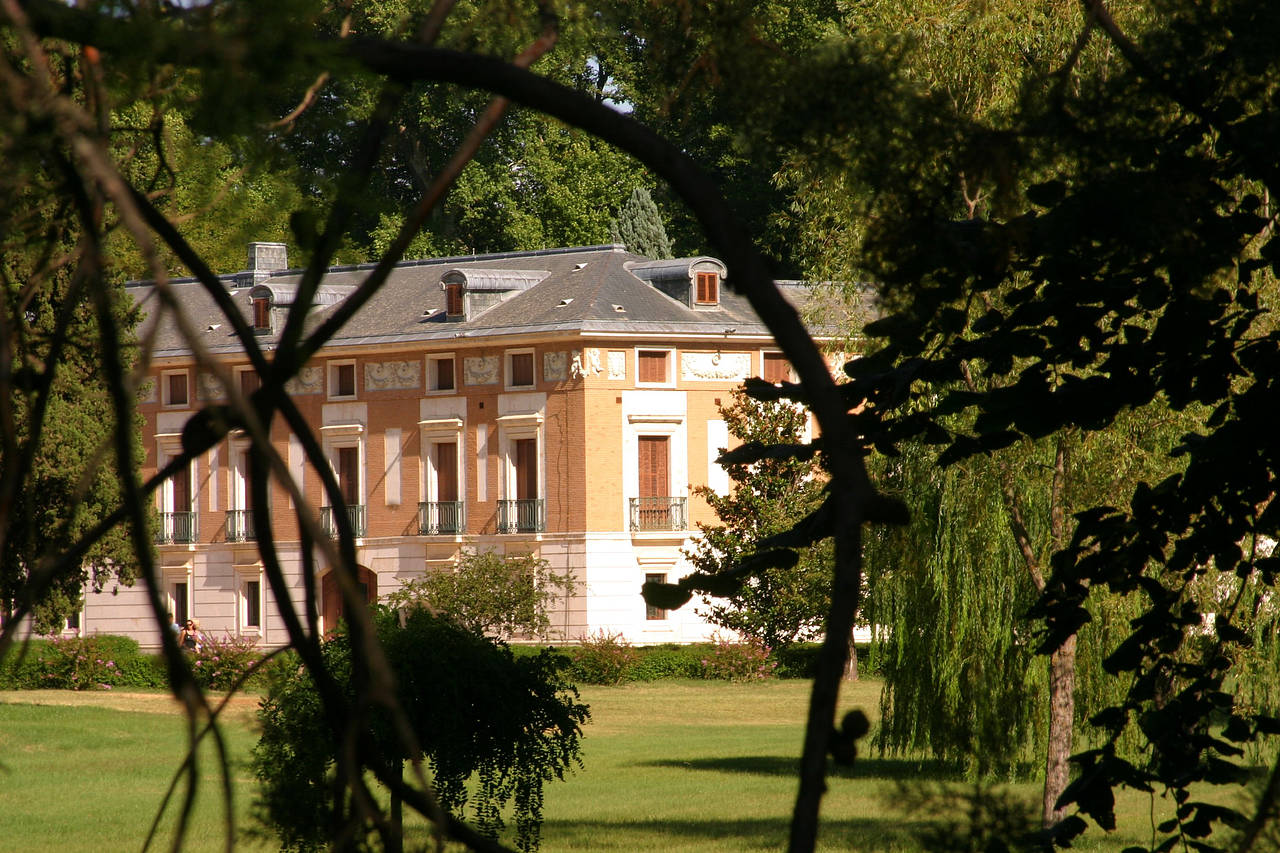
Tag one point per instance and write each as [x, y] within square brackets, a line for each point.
[264, 259]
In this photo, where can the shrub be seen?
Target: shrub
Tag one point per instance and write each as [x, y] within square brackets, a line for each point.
[22, 674]
[733, 661]
[79, 663]
[220, 663]
[602, 658]
[667, 661]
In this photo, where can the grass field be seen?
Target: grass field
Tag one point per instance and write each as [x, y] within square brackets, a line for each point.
[669, 766]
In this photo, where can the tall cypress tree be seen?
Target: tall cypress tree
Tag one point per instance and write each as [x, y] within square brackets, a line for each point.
[638, 226]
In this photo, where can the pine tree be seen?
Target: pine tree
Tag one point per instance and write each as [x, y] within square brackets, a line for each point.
[638, 226]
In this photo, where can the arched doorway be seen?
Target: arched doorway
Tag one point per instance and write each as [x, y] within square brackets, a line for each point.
[331, 605]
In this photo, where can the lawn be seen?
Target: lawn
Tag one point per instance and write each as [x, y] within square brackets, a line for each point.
[670, 766]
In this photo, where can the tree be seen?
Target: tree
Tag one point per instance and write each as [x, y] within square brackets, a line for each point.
[783, 604]
[491, 728]
[638, 226]
[491, 595]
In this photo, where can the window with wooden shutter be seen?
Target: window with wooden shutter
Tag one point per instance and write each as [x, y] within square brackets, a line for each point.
[521, 367]
[249, 382]
[708, 288]
[262, 313]
[526, 469]
[651, 366]
[349, 474]
[655, 480]
[441, 374]
[652, 613]
[446, 461]
[453, 300]
[176, 387]
[776, 368]
[344, 380]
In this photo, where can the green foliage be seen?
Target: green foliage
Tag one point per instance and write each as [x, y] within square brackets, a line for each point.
[654, 663]
[729, 660]
[492, 728]
[638, 226]
[602, 658]
[491, 594]
[779, 605]
[219, 663]
[97, 662]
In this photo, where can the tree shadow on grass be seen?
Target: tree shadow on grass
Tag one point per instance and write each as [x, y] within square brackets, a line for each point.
[744, 834]
[785, 765]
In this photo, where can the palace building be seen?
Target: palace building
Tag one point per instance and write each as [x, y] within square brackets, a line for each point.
[562, 402]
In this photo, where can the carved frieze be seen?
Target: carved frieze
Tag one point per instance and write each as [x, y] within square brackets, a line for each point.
[480, 370]
[555, 366]
[715, 366]
[147, 392]
[585, 363]
[393, 375]
[310, 380]
[617, 361]
[208, 387]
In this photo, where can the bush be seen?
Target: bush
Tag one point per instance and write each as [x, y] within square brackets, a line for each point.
[79, 663]
[219, 663]
[602, 658]
[24, 674]
[732, 661]
[667, 661]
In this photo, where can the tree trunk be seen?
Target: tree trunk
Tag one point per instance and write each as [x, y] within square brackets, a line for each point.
[851, 667]
[1062, 710]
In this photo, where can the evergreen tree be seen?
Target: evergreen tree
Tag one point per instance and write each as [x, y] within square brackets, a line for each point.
[782, 604]
[638, 226]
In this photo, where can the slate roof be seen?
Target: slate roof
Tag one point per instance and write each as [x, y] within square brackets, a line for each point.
[589, 290]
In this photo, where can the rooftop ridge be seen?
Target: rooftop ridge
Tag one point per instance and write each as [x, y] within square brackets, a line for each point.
[418, 262]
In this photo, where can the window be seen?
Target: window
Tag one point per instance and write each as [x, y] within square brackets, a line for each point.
[250, 381]
[73, 621]
[453, 300]
[441, 511]
[775, 367]
[179, 602]
[520, 369]
[175, 388]
[252, 592]
[651, 613]
[342, 379]
[653, 367]
[240, 497]
[708, 288]
[344, 447]
[177, 517]
[520, 505]
[440, 373]
[261, 314]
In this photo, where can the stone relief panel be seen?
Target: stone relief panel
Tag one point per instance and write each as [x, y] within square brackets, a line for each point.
[310, 380]
[715, 366]
[147, 392]
[393, 375]
[617, 362]
[208, 387]
[585, 363]
[555, 366]
[480, 370]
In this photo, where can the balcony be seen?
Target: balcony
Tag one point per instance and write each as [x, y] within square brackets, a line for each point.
[176, 528]
[524, 516]
[355, 515]
[441, 518]
[650, 514]
[240, 525]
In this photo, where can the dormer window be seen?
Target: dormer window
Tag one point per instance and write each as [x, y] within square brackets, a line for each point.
[708, 289]
[261, 314]
[453, 300]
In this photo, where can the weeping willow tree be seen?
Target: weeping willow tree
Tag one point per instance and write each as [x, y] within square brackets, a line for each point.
[951, 595]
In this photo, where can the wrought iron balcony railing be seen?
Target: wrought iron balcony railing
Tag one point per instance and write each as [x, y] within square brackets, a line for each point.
[521, 516]
[665, 513]
[176, 528]
[441, 518]
[355, 515]
[240, 525]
